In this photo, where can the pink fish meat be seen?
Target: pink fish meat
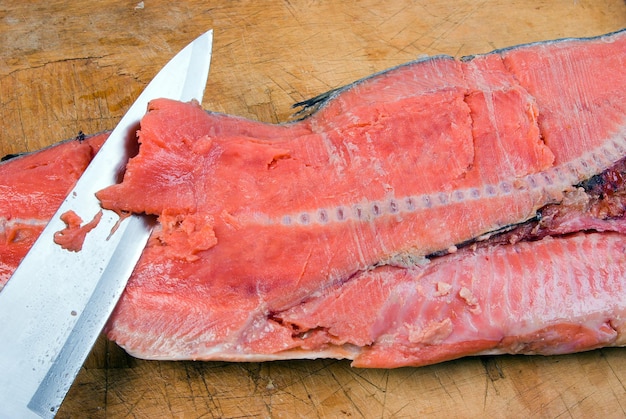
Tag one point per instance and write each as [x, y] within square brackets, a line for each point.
[439, 209]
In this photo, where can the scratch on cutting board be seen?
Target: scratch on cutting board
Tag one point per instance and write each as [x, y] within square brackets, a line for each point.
[492, 367]
[385, 391]
[578, 402]
[341, 387]
[557, 398]
[568, 409]
[606, 360]
[455, 23]
[493, 372]
[309, 392]
[608, 363]
[63, 60]
[443, 386]
[381, 388]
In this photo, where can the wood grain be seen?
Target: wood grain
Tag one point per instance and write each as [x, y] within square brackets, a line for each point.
[76, 66]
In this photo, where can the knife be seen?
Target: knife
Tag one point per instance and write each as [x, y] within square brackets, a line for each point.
[57, 302]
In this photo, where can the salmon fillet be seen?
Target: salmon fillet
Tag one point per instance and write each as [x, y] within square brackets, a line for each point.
[438, 209]
[32, 187]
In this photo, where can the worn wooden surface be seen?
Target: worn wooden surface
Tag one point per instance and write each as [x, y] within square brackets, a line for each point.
[76, 66]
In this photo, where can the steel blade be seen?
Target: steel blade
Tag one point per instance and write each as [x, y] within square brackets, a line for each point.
[57, 302]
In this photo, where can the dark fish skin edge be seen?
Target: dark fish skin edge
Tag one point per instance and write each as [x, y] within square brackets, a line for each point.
[80, 138]
[10, 156]
[312, 105]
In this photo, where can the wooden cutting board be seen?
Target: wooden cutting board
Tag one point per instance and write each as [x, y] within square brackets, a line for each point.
[67, 67]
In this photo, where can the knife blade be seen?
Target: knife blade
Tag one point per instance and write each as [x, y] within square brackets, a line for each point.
[57, 302]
